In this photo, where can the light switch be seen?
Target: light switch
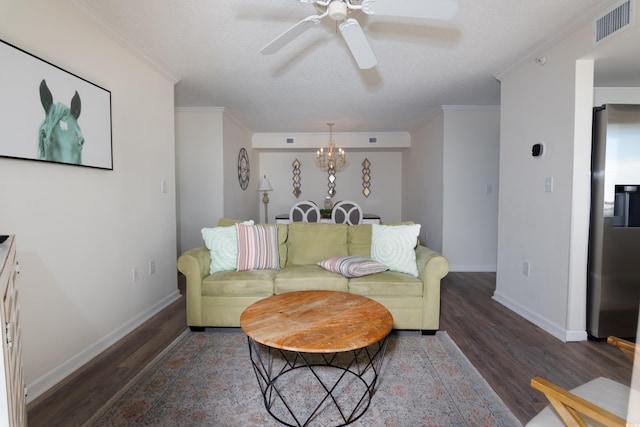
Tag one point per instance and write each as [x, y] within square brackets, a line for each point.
[548, 184]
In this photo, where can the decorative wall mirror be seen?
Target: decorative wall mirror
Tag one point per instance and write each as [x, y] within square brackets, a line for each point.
[243, 168]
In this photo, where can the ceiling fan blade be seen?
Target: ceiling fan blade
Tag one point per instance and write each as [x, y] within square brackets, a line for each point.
[427, 9]
[290, 34]
[358, 44]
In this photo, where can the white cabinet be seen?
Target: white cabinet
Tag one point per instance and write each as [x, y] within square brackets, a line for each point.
[12, 391]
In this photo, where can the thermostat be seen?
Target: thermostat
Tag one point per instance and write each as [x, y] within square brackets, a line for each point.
[537, 149]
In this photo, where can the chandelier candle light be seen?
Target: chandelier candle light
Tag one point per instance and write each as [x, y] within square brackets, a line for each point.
[331, 157]
[332, 160]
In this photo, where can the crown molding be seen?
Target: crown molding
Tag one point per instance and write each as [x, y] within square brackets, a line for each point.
[554, 39]
[123, 40]
[234, 119]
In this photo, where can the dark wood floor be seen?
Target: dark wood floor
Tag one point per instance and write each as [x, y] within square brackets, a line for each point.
[78, 397]
[509, 350]
[506, 349]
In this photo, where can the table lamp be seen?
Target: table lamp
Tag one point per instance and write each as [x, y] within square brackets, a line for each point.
[265, 187]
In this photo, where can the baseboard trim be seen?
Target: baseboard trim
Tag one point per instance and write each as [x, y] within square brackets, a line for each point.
[544, 324]
[457, 268]
[53, 377]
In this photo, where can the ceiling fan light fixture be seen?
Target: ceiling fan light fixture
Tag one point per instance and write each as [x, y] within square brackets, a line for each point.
[337, 10]
[352, 32]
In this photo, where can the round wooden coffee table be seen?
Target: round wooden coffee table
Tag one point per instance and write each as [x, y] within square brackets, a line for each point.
[316, 354]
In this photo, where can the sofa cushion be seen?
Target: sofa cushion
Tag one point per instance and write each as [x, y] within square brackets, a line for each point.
[226, 222]
[257, 247]
[309, 277]
[352, 266]
[359, 240]
[395, 246]
[239, 283]
[388, 283]
[222, 242]
[309, 243]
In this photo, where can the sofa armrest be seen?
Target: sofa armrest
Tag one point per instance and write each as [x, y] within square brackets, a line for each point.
[194, 264]
[432, 267]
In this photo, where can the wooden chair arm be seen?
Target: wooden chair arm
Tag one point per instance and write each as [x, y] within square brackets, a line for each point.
[570, 407]
[627, 347]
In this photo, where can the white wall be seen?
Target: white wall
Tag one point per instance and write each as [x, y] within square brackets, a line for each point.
[199, 170]
[550, 103]
[81, 231]
[349, 140]
[470, 206]
[452, 160]
[208, 141]
[277, 152]
[422, 181]
[386, 183]
[239, 203]
[537, 105]
[616, 95]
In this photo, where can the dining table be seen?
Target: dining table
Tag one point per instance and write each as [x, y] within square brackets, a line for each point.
[366, 219]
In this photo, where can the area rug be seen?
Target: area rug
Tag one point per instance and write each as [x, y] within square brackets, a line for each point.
[206, 379]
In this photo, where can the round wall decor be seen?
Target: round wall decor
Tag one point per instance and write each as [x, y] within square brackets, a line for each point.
[243, 168]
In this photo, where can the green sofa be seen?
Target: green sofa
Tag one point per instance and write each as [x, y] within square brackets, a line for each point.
[217, 300]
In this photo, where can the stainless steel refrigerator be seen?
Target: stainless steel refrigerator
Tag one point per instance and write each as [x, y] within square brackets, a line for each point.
[613, 284]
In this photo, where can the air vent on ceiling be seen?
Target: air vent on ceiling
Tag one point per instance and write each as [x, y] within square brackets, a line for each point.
[613, 21]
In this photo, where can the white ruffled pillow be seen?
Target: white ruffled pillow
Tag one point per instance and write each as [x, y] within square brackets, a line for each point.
[394, 246]
[222, 243]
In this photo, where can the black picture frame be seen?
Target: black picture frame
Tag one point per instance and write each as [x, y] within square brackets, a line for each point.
[48, 114]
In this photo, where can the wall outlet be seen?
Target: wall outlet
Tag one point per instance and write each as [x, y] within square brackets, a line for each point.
[526, 268]
[152, 267]
[134, 274]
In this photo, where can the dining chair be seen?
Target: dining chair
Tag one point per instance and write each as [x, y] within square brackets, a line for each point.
[305, 211]
[346, 212]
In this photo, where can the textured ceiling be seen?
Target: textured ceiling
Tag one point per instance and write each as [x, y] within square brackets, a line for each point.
[212, 47]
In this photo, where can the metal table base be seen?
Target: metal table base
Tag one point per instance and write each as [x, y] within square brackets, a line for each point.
[324, 389]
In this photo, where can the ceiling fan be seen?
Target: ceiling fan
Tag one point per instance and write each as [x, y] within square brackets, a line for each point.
[338, 10]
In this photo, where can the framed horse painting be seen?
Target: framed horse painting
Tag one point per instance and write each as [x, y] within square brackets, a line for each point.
[51, 115]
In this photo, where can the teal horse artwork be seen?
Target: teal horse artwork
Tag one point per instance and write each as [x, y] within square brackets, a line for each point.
[60, 138]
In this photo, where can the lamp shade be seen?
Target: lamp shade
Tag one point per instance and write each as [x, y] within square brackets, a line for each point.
[265, 185]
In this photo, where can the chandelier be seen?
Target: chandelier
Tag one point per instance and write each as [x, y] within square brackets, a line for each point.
[331, 158]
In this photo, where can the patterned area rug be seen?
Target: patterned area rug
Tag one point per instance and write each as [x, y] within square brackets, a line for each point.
[206, 379]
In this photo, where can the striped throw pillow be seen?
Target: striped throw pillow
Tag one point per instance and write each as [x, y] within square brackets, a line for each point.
[222, 243]
[352, 266]
[257, 247]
